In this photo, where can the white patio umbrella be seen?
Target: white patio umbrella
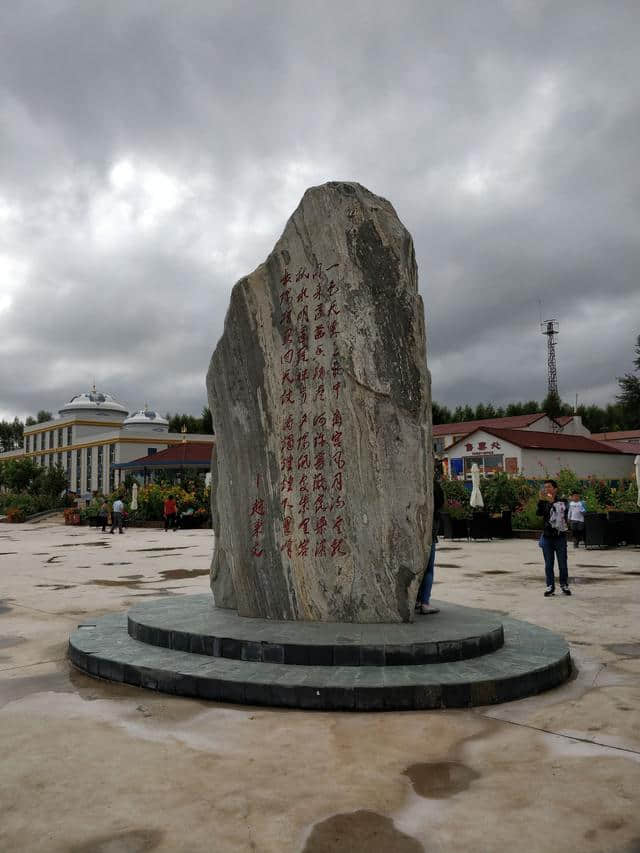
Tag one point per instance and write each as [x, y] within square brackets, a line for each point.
[636, 462]
[134, 497]
[476, 495]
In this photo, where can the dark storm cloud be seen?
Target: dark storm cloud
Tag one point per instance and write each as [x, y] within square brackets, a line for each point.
[150, 155]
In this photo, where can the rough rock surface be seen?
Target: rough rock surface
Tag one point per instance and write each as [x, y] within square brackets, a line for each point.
[320, 394]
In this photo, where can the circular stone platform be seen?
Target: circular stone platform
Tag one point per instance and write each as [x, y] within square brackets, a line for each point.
[531, 660]
[194, 624]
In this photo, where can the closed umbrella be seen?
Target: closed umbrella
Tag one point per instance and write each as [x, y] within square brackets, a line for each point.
[134, 497]
[636, 462]
[476, 495]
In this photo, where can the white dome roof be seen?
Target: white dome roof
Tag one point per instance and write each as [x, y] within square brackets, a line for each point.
[94, 401]
[146, 417]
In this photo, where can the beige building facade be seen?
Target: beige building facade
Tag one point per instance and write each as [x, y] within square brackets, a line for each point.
[92, 433]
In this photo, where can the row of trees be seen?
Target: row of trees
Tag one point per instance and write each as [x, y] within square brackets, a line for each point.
[11, 432]
[202, 425]
[621, 415]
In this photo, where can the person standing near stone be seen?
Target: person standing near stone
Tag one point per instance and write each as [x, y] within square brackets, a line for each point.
[170, 512]
[554, 511]
[577, 510]
[103, 516]
[116, 515]
[423, 602]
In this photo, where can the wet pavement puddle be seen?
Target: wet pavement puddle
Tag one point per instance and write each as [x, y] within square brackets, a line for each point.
[129, 841]
[56, 586]
[103, 543]
[440, 779]
[181, 574]
[360, 832]
[162, 548]
[4, 607]
[9, 641]
[630, 650]
[447, 565]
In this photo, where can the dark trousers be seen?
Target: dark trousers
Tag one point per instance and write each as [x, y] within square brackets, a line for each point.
[102, 522]
[577, 528]
[555, 546]
[116, 521]
[424, 593]
[170, 521]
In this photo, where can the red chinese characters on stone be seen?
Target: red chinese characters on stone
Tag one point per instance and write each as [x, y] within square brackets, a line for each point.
[256, 524]
[258, 507]
[337, 547]
[317, 446]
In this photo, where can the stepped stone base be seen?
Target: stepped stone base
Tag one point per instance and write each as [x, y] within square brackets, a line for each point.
[458, 658]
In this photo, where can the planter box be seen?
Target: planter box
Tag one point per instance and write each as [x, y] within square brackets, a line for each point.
[632, 520]
[454, 528]
[597, 532]
[480, 526]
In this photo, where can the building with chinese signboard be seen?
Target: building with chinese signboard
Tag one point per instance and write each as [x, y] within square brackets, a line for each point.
[534, 454]
[444, 435]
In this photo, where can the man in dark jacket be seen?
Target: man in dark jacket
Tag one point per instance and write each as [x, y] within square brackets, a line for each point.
[423, 603]
[555, 513]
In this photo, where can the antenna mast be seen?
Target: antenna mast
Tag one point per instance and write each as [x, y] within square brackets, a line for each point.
[551, 328]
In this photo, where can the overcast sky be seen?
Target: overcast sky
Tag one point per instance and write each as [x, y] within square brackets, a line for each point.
[151, 153]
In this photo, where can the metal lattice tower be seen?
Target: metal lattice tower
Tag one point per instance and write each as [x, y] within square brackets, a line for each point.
[551, 328]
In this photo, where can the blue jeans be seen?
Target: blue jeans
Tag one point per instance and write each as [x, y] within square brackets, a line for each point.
[555, 545]
[424, 593]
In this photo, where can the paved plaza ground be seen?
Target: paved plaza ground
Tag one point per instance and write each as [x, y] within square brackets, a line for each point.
[93, 767]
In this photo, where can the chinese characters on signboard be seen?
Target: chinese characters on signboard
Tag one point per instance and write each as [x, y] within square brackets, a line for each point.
[482, 447]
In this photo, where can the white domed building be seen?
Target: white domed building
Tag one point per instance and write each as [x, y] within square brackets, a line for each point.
[94, 433]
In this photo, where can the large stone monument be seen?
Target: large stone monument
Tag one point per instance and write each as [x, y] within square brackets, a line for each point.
[321, 484]
[320, 396]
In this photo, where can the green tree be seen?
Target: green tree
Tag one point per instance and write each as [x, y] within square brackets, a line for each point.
[207, 421]
[21, 475]
[43, 415]
[11, 435]
[53, 481]
[441, 414]
[629, 396]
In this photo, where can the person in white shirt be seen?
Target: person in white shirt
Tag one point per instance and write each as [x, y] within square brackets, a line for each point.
[576, 513]
[116, 515]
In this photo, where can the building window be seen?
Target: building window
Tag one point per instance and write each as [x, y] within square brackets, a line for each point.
[438, 444]
[59, 459]
[69, 434]
[89, 472]
[78, 470]
[488, 465]
[112, 473]
[100, 466]
[60, 440]
[151, 451]
[50, 439]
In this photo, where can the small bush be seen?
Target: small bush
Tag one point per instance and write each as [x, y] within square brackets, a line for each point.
[15, 515]
[525, 518]
[454, 490]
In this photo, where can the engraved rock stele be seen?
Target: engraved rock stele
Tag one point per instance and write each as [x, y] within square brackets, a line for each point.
[320, 394]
